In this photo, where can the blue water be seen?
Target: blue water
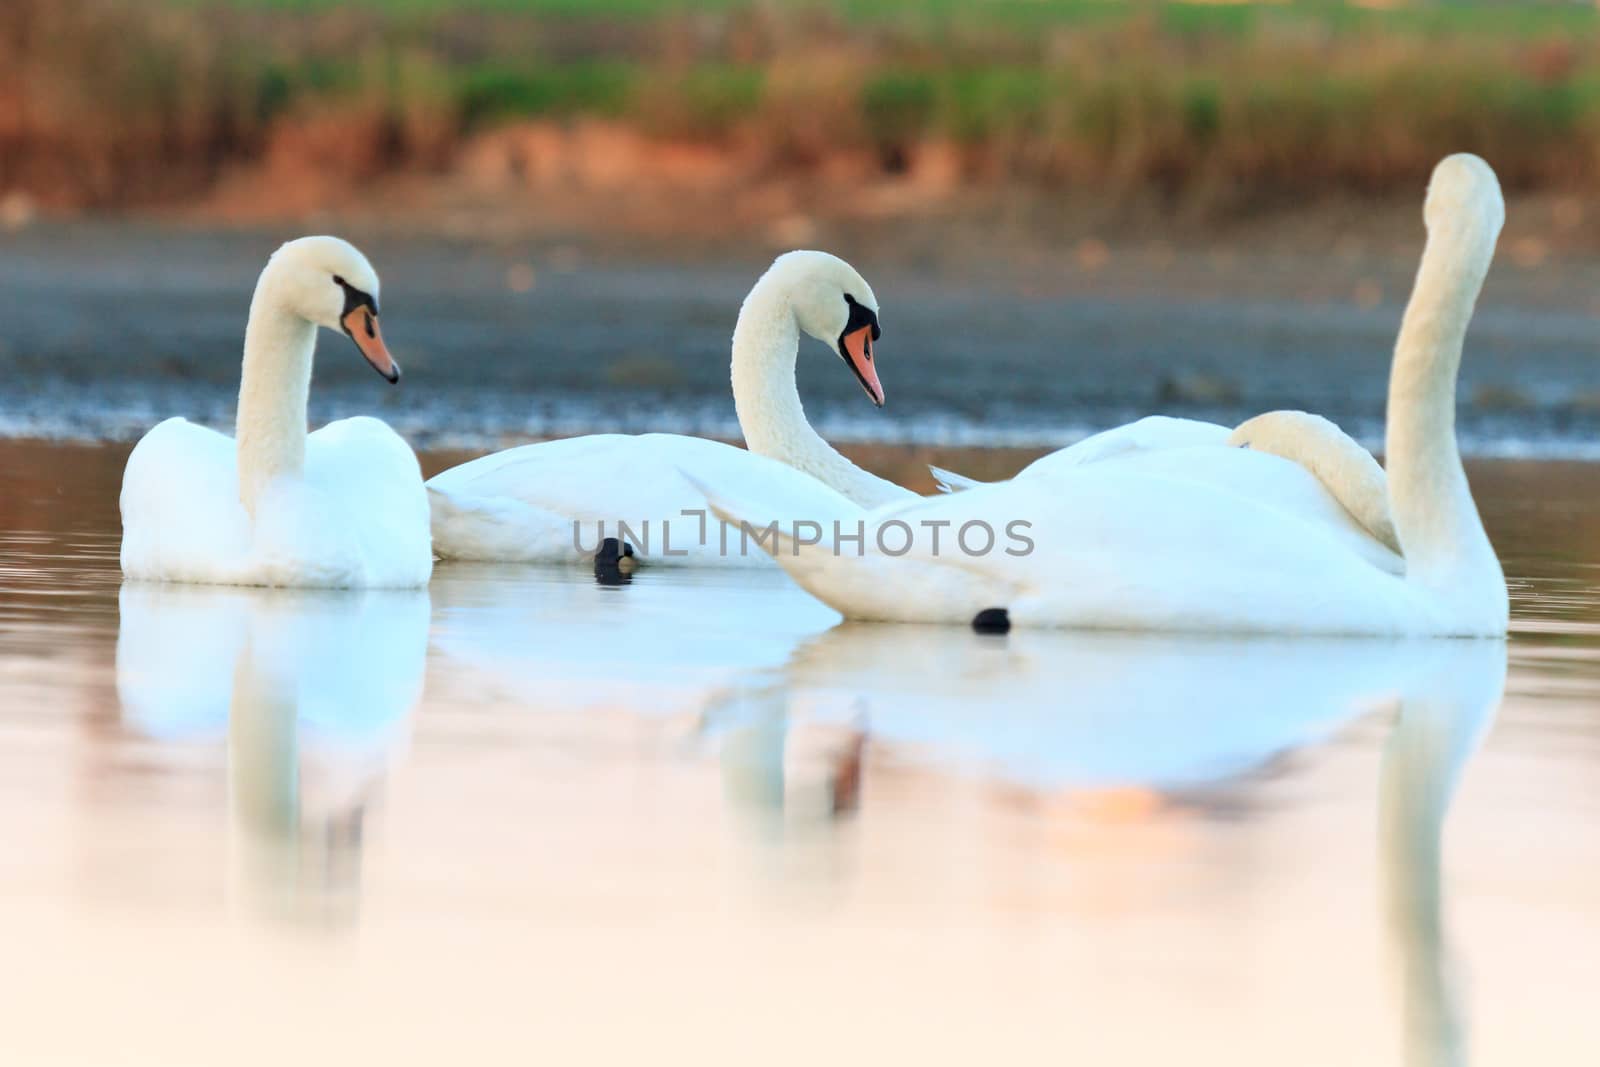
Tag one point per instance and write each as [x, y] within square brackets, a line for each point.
[522, 810]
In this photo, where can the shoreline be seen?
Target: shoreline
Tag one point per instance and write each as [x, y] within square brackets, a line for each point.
[107, 327]
[122, 429]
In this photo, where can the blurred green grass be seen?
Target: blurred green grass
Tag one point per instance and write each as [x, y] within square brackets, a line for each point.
[1013, 15]
[135, 100]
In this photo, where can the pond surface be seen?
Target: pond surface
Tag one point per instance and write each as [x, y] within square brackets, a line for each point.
[694, 815]
[981, 346]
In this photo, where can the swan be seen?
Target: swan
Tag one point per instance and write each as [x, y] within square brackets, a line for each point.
[342, 507]
[1346, 470]
[1131, 545]
[547, 502]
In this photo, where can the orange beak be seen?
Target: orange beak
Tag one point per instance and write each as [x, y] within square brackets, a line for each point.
[857, 351]
[362, 326]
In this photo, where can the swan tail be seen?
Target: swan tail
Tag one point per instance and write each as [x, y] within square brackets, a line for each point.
[776, 522]
[444, 507]
[837, 559]
[498, 528]
[950, 481]
[818, 553]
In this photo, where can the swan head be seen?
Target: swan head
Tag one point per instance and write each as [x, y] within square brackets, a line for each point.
[329, 283]
[835, 305]
[1464, 192]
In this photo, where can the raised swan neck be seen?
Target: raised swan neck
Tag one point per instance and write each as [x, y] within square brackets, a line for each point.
[273, 388]
[1446, 549]
[766, 343]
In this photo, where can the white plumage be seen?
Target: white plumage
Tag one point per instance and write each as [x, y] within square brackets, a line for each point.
[341, 507]
[1154, 541]
[545, 502]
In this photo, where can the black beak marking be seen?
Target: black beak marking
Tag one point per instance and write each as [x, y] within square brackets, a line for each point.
[355, 298]
[860, 315]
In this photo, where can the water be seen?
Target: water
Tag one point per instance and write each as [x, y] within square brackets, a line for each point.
[105, 328]
[693, 817]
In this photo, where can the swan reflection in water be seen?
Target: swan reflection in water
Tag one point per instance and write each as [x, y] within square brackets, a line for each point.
[669, 642]
[1440, 725]
[313, 692]
[1058, 711]
[803, 716]
[1080, 711]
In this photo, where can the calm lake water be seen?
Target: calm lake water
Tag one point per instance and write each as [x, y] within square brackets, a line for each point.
[982, 346]
[695, 818]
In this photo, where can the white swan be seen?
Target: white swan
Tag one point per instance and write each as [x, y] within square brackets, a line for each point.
[1346, 470]
[1131, 545]
[341, 507]
[545, 502]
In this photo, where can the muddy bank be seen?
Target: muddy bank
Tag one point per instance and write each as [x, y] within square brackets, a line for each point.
[105, 328]
[117, 104]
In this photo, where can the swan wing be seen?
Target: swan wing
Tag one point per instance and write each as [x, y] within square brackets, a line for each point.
[1107, 549]
[616, 477]
[1336, 480]
[499, 528]
[556, 500]
[1269, 481]
[181, 516]
[1154, 433]
[357, 518]
[364, 489]
[1151, 433]
[950, 481]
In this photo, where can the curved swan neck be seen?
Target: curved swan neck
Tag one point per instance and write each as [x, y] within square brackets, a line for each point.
[1445, 546]
[1345, 469]
[273, 388]
[766, 343]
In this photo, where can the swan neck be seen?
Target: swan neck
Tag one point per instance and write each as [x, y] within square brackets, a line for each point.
[1434, 514]
[273, 389]
[766, 343]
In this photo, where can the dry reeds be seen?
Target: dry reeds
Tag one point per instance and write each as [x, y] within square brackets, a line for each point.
[115, 102]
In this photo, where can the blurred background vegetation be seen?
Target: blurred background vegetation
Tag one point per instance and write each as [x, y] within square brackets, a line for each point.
[110, 104]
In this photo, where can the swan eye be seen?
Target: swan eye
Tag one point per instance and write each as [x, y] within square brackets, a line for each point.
[861, 315]
[354, 298]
